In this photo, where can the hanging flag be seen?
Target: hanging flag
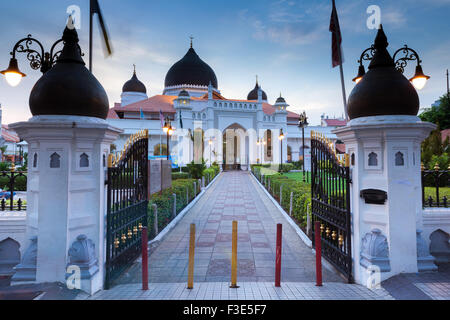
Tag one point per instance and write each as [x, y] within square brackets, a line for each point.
[95, 9]
[161, 117]
[142, 114]
[336, 41]
[336, 51]
[181, 121]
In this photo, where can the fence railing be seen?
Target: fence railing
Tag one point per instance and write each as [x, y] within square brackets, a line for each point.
[435, 188]
[12, 182]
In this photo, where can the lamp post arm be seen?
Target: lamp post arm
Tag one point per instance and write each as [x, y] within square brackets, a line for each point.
[409, 55]
[367, 55]
[23, 46]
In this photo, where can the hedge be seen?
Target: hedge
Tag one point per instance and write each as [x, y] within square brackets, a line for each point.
[20, 183]
[164, 201]
[301, 192]
[180, 175]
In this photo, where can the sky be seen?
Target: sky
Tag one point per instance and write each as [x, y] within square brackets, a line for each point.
[285, 42]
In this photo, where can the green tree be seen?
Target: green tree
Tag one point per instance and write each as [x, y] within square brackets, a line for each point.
[438, 114]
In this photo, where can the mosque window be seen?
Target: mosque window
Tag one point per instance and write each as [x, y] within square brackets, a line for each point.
[399, 159]
[55, 160]
[35, 159]
[373, 159]
[84, 161]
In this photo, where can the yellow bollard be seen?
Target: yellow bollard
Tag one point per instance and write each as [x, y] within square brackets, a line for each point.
[191, 258]
[234, 256]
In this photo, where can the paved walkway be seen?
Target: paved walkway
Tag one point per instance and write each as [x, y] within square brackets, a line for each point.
[234, 196]
[246, 291]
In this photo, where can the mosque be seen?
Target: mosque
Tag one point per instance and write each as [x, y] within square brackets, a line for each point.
[231, 132]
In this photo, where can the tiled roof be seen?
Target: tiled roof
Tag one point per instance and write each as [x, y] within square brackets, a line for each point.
[270, 109]
[9, 135]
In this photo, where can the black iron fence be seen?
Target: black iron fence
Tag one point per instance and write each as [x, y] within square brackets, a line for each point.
[435, 188]
[12, 183]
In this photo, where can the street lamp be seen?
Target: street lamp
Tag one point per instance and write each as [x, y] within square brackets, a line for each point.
[168, 130]
[281, 137]
[418, 80]
[302, 123]
[39, 59]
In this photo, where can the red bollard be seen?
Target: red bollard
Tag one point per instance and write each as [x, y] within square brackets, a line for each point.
[278, 256]
[144, 259]
[318, 244]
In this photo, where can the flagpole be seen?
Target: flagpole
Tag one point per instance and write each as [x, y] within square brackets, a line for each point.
[344, 95]
[341, 68]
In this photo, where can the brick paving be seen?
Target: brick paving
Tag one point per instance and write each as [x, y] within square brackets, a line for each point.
[234, 196]
[246, 291]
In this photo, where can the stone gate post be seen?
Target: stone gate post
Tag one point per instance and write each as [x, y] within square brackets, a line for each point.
[69, 141]
[383, 140]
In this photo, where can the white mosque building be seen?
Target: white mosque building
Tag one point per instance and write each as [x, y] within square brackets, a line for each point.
[232, 132]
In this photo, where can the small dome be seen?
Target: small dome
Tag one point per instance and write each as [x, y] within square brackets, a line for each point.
[253, 95]
[68, 88]
[191, 70]
[134, 85]
[383, 90]
[280, 100]
[183, 93]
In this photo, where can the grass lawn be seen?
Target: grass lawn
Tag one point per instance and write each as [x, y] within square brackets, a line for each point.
[431, 191]
[298, 176]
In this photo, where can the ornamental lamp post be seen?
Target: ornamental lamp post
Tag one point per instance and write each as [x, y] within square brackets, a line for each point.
[168, 130]
[302, 123]
[407, 54]
[38, 57]
[281, 138]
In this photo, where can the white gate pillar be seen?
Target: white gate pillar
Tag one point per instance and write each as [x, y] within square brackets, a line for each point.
[67, 192]
[385, 156]
[383, 140]
[69, 141]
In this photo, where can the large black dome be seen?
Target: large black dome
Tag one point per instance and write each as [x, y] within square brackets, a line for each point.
[191, 70]
[253, 95]
[134, 85]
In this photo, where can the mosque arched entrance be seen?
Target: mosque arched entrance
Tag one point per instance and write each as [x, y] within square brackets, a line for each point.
[235, 148]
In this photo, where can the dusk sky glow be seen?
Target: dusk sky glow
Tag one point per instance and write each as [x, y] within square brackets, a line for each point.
[285, 42]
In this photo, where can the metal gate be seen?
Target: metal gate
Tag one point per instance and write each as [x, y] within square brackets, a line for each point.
[127, 202]
[330, 197]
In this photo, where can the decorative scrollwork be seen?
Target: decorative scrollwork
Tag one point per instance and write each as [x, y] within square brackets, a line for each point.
[34, 56]
[39, 59]
[408, 55]
[367, 54]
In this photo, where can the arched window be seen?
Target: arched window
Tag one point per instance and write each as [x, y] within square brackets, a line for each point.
[84, 161]
[55, 160]
[35, 160]
[399, 159]
[373, 159]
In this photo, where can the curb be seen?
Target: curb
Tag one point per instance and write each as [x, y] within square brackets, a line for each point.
[153, 244]
[297, 229]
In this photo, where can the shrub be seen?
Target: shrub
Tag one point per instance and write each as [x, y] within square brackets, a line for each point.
[180, 175]
[164, 201]
[196, 169]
